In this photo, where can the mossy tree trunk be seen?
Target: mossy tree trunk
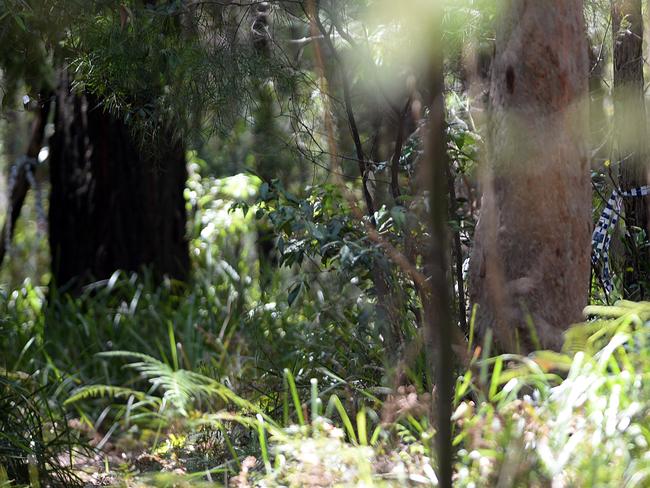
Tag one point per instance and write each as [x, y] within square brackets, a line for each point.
[529, 270]
[115, 204]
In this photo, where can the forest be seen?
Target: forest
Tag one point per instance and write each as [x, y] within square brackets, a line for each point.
[314, 243]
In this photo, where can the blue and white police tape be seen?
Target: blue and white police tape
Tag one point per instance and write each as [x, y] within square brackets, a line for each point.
[602, 236]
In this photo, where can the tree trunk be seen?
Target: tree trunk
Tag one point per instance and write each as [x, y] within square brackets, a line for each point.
[439, 316]
[631, 133]
[114, 205]
[598, 120]
[18, 192]
[529, 271]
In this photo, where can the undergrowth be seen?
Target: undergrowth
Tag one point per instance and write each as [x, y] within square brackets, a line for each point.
[238, 379]
[576, 418]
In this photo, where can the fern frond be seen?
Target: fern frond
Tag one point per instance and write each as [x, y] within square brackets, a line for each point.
[93, 391]
[181, 388]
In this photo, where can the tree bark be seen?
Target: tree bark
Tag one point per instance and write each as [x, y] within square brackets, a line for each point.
[114, 204]
[529, 270]
[631, 133]
[21, 183]
[439, 318]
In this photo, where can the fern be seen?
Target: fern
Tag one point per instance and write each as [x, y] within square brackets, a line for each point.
[94, 391]
[623, 317]
[180, 388]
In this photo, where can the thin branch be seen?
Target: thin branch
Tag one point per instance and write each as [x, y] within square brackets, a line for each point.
[458, 254]
[399, 142]
[345, 82]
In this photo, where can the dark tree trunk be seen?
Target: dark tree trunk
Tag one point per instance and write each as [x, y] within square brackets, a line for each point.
[114, 204]
[631, 132]
[440, 324]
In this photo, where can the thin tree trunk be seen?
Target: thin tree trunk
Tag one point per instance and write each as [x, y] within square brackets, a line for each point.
[20, 185]
[440, 317]
[389, 301]
[529, 270]
[114, 205]
[440, 327]
[458, 251]
[598, 121]
[631, 132]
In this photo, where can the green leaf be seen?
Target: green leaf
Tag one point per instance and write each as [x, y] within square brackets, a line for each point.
[21, 23]
[293, 293]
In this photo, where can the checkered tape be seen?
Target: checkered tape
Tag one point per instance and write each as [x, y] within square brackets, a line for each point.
[602, 236]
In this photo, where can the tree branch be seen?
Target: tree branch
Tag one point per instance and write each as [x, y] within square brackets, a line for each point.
[345, 82]
[399, 142]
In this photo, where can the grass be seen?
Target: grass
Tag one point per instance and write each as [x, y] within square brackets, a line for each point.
[35, 443]
[228, 381]
[577, 418]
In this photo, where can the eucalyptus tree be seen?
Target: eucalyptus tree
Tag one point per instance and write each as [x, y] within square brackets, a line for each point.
[529, 270]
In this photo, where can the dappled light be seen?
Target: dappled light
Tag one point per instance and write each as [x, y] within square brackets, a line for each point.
[315, 243]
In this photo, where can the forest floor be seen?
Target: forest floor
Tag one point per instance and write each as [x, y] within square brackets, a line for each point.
[576, 418]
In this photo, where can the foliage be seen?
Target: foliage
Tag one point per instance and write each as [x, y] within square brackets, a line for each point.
[34, 435]
[571, 418]
[577, 419]
[284, 361]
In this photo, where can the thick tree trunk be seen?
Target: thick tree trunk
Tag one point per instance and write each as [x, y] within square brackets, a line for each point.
[113, 204]
[529, 270]
[631, 132]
